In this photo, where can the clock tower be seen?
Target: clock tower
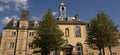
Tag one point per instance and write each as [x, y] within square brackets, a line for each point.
[62, 8]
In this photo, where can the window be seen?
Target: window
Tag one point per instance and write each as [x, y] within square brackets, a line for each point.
[79, 50]
[63, 11]
[56, 52]
[62, 8]
[31, 34]
[91, 54]
[114, 53]
[30, 45]
[66, 32]
[12, 44]
[13, 34]
[77, 31]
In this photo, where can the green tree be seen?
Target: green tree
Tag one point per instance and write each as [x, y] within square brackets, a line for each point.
[103, 32]
[49, 35]
[94, 35]
[109, 30]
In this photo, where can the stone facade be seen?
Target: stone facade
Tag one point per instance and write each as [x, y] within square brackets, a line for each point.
[18, 35]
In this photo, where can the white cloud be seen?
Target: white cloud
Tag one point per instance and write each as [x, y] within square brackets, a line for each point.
[15, 17]
[6, 1]
[2, 8]
[54, 13]
[6, 19]
[35, 18]
[7, 7]
[23, 4]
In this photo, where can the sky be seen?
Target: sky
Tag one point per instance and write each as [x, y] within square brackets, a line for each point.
[86, 9]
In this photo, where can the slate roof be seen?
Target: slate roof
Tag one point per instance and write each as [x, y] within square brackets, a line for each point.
[31, 24]
[10, 25]
[71, 22]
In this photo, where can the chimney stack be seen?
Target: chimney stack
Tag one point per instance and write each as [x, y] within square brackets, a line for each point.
[76, 17]
[25, 15]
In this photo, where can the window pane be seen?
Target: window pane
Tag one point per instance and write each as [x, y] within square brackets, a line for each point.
[13, 34]
[30, 45]
[66, 32]
[79, 50]
[12, 44]
[31, 34]
[77, 31]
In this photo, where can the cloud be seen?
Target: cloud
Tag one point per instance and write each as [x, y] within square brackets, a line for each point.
[7, 7]
[2, 8]
[54, 13]
[6, 1]
[19, 4]
[6, 19]
[35, 18]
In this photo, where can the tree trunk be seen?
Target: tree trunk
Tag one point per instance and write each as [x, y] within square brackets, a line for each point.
[100, 52]
[110, 50]
[103, 51]
[45, 53]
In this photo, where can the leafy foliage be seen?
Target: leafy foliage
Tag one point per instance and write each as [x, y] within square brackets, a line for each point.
[49, 35]
[102, 32]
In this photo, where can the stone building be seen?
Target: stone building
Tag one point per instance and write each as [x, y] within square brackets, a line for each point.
[18, 35]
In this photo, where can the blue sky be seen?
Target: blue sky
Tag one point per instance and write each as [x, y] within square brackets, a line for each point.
[86, 9]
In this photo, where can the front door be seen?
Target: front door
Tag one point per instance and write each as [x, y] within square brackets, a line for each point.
[67, 52]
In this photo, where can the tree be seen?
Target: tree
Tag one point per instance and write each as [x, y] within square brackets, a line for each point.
[49, 35]
[102, 32]
[110, 31]
[94, 35]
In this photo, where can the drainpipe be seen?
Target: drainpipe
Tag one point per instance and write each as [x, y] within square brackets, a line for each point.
[16, 41]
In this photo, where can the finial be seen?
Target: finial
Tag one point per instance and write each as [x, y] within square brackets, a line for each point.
[62, 3]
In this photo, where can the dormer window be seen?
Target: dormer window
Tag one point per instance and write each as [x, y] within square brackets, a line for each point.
[36, 24]
[14, 23]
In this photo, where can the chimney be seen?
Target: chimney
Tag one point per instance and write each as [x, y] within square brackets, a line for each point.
[25, 15]
[76, 17]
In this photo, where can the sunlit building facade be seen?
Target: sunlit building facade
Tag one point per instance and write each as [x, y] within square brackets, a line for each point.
[18, 35]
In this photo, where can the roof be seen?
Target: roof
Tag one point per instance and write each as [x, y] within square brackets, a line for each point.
[71, 22]
[31, 24]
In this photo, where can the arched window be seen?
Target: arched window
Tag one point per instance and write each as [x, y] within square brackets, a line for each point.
[66, 32]
[77, 31]
[79, 49]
